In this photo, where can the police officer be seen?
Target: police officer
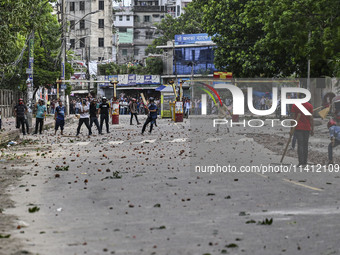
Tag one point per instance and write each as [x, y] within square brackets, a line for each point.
[19, 112]
[104, 110]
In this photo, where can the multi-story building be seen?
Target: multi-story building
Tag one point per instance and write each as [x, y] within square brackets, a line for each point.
[123, 49]
[89, 31]
[146, 14]
[176, 7]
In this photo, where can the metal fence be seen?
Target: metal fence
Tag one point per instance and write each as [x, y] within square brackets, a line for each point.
[8, 99]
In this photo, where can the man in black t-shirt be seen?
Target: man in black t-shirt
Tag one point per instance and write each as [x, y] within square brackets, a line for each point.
[19, 112]
[93, 115]
[104, 110]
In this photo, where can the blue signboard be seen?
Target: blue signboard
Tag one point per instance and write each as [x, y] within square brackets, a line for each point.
[147, 79]
[132, 79]
[191, 38]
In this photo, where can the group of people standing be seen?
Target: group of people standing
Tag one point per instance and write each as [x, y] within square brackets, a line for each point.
[90, 112]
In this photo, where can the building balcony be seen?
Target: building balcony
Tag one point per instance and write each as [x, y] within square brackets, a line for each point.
[149, 8]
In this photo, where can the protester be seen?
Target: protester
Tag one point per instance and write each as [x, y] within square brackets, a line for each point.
[94, 115]
[334, 132]
[152, 116]
[104, 110]
[84, 117]
[40, 115]
[304, 128]
[187, 108]
[133, 111]
[59, 117]
[19, 112]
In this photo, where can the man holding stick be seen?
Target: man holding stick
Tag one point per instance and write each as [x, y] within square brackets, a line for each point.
[304, 128]
[152, 116]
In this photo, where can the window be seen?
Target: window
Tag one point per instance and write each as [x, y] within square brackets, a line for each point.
[101, 5]
[127, 18]
[82, 43]
[136, 52]
[100, 42]
[136, 35]
[122, 29]
[137, 19]
[101, 23]
[178, 10]
[120, 18]
[82, 6]
[147, 18]
[72, 9]
[100, 58]
[72, 23]
[148, 35]
[124, 52]
[73, 43]
[82, 24]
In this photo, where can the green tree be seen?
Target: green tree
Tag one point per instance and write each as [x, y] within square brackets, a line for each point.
[36, 16]
[271, 37]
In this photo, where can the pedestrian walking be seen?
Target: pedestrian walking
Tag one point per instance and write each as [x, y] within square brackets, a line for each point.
[303, 130]
[84, 117]
[94, 115]
[334, 132]
[104, 110]
[40, 116]
[59, 117]
[133, 111]
[152, 116]
[19, 112]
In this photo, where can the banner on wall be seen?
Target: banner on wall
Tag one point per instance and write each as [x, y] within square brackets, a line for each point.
[129, 80]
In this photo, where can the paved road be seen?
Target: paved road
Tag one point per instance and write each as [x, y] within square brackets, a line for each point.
[125, 193]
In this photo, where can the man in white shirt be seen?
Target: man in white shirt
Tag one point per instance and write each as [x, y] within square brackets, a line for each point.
[84, 116]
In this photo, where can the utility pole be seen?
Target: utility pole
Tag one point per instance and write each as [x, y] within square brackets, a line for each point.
[63, 53]
[29, 81]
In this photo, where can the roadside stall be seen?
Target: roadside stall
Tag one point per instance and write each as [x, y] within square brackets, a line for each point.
[167, 98]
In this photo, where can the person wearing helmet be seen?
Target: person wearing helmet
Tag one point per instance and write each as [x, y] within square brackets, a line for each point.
[19, 112]
[334, 132]
[152, 116]
[41, 114]
[104, 110]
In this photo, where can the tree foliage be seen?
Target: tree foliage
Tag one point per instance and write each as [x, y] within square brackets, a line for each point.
[271, 37]
[23, 17]
[154, 65]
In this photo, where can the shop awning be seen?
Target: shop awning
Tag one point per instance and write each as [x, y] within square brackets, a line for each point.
[164, 88]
